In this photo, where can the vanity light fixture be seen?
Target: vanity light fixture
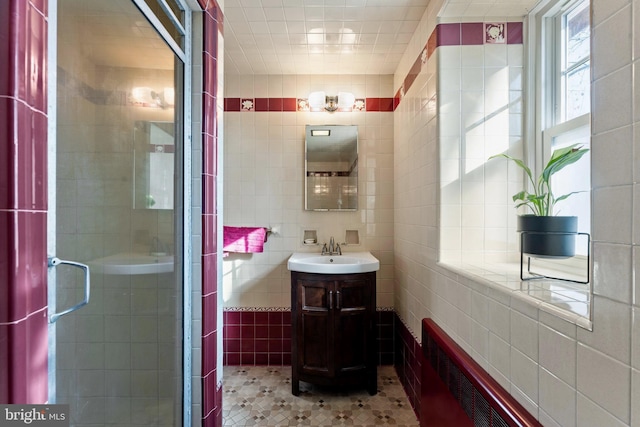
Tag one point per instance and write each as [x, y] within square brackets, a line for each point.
[319, 101]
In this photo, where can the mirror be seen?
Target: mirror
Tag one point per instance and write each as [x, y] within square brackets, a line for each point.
[331, 168]
[153, 156]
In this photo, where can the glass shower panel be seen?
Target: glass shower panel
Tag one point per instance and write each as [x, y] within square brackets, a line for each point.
[118, 359]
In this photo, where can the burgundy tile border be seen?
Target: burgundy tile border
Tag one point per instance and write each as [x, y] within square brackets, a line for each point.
[291, 105]
[455, 34]
[263, 337]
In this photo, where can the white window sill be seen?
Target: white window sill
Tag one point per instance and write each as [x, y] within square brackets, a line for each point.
[567, 300]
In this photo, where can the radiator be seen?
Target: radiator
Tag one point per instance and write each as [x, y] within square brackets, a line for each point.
[456, 391]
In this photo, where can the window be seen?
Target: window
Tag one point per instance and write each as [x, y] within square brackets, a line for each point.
[564, 112]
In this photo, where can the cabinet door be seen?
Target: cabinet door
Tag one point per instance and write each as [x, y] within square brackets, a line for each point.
[314, 332]
[354, 324]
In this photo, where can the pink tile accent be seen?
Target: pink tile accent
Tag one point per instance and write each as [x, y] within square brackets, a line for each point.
[373, 104]
[23, 267]
[247, 332]
[247, 318]
[209, 353]
[289, 104]
[386, 104]
[232, 317]
[261, 346]
[209, 189]
[20, 49]
[23, 156]
[23, 378]
[41, 6]
[6, 48]
[247, 359]
[210, 166]
[262, 359]
[233, 359]
[209, 274]
[448, 34]
[5, 359]
[262, 331]
[274, 317]
[432, 43]
[209, 394]
[261, 104]
[37, 59]
[275, 104]
[209, 233]
[232, 331]
[232, 104]
[472, 33]
[209, 314]
[262, 318]
[209, 120]
[275, 360]
[275, 331]
[514, 33]
[210, 36]
[232, 345]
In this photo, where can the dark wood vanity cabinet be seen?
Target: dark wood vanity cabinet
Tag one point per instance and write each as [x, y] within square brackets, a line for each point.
[333, 338]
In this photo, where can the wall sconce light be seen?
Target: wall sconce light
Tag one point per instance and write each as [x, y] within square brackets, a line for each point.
[319, 101]
[148, 97]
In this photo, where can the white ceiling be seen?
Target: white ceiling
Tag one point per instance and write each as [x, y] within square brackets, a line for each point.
[336, 36]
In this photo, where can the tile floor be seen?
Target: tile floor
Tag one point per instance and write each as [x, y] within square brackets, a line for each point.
[261, 396]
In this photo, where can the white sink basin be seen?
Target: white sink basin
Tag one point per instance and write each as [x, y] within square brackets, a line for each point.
[349, 262]
[132, 263]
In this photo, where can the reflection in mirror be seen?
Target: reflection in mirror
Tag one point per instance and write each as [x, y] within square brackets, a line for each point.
[331, 168]
[153, 165]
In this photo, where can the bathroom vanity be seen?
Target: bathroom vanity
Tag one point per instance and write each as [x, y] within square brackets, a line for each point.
[333, 338]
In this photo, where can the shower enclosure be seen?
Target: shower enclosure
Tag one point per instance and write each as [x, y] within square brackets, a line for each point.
[118, 360]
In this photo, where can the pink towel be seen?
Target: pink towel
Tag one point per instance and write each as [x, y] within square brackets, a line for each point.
[243, 239]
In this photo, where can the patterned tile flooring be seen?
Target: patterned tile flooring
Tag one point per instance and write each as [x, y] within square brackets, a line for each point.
[261, 396]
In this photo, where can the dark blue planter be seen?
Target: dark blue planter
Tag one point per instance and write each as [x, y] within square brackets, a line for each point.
[548, 236]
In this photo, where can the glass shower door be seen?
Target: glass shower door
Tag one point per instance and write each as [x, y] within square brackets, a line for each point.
[117, 149]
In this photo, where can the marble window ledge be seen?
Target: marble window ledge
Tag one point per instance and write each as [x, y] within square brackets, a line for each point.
[566, 300]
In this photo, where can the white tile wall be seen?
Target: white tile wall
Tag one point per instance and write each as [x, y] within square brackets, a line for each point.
[263, 182]
[567, 375]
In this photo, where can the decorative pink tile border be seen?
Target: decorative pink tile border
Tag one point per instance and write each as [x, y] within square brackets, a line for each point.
[461, 34]
[300, 104]
[451, 34]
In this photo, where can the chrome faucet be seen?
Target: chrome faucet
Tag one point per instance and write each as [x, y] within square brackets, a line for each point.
[333, 249]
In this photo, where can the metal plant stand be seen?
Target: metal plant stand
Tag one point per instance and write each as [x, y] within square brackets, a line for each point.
[534, 275]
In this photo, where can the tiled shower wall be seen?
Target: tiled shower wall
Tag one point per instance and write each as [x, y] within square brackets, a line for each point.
[264, 183]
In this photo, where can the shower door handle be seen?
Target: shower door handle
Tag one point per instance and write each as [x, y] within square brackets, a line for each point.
[54, 262]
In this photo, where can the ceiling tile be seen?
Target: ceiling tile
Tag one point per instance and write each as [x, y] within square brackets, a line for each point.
[333, 36]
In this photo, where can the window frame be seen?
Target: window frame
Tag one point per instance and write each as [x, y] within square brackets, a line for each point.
[545, 117]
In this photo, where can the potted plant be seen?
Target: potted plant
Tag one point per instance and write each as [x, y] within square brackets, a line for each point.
[544, 234]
